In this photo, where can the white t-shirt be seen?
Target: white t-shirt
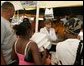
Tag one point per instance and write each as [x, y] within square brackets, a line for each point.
[66, 52]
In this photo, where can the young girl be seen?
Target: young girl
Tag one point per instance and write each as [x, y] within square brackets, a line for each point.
[24, 33]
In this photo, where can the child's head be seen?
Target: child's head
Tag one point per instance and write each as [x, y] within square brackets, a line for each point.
[48, 23]
[48, 59]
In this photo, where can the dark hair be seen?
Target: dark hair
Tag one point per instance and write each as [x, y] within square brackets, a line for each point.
[47, 21]
[6, 5]
[25, 20]
[23, 28]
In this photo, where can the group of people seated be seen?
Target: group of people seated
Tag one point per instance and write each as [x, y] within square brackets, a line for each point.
[18, 47]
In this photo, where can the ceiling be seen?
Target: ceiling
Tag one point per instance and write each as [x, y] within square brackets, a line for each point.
[59, 7]
[31, 5]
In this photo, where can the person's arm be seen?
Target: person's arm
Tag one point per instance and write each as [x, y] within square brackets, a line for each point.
[14, 55]
[53, 36]
[3, 32]
[42, 30]
[3, 62]
[36, 54]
